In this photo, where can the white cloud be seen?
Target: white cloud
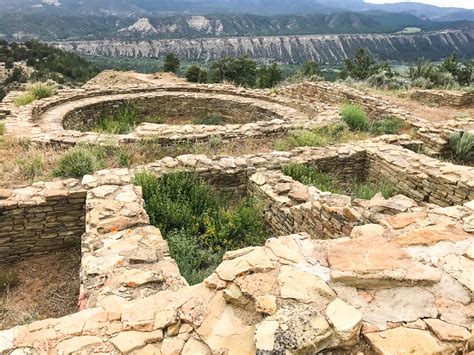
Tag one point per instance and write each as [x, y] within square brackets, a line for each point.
[468, 4]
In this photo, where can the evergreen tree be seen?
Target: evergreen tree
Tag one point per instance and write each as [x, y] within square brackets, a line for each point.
[171, 64]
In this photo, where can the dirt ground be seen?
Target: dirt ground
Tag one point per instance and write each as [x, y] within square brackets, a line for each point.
[118, 78]
[428, 111]
[48, 287]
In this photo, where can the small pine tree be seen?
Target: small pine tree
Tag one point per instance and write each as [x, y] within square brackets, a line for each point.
[172, 63]
[310, 69]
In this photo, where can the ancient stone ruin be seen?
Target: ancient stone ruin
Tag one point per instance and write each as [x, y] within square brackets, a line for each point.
[388, 276]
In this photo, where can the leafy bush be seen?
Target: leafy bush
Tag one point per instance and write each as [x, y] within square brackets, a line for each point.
[310, 175]
[121, 122]
[462, 146]
[354, 117]
[197, 222]
[195, 74]
[2, 129]
[367, 190]
[209, 120]
[79, 162]
[387, 125]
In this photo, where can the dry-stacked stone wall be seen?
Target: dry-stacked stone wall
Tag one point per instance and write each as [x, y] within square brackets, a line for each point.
[40, 219]
[400, 284]
[374, 106]
[444, 97]
[188, 106]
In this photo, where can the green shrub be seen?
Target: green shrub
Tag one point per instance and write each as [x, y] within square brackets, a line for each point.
[310, 175]
[354, 117]
[121, 122]
[462, 146]
[197, 221]
[367, 190]
[2, 129]
[8, 279]
[388, 125]
[209, 120]
[79, 162]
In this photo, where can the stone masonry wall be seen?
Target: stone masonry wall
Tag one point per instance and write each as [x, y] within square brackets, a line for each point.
[424, 180]
[40, 219]
[374, 106]
[444, 97]
[177, 105]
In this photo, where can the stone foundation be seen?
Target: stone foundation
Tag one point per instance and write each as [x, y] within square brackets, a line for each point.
[444, 97]
[40, 219]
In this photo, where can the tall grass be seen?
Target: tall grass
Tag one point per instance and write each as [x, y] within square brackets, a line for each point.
[367, 190]
[332, 134]
[310, 175]
[34, 92]
[121, 122]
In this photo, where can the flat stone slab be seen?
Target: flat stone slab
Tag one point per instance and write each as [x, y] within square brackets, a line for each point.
[402, 340]
[376, 263]
[432, 235]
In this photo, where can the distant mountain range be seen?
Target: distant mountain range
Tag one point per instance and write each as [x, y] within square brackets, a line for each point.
[54, 27]
[267, 7]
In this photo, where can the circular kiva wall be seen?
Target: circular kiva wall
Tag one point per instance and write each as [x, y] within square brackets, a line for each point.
[176, 107]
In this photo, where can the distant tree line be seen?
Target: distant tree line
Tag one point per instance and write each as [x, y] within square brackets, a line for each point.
[451, 73]
[241, 71]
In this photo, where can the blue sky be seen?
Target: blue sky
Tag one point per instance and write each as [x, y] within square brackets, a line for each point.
[468, 4]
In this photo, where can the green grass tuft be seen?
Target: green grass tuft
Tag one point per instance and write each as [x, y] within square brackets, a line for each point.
[310, 175]
[387, 125]
[35, 92]
[121, 122]
[367, 190]
[354, 117]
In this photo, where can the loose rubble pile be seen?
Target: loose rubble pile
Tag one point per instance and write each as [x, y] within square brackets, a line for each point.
[388, 276]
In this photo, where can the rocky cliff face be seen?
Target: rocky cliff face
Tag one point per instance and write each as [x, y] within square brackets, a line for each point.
[330, 49]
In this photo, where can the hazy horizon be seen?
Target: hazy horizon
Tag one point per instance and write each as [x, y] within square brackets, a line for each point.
[467, 4]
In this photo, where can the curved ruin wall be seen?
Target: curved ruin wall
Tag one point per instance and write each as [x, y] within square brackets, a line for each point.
[185, 106]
